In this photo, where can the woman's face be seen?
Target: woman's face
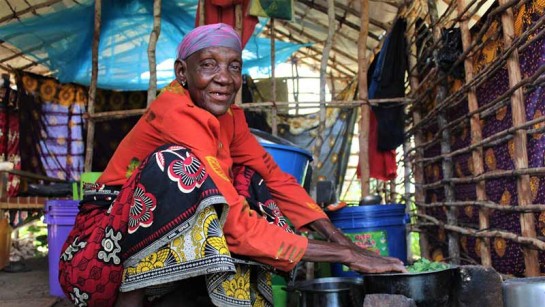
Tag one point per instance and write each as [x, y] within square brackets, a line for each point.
[213, 77]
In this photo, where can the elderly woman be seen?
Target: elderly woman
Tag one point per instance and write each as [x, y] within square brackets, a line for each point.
[190, 199]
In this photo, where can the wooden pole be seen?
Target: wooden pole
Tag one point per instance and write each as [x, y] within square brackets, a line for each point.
[202, 15]
[93, 88]
[154, 36]
[453, 238]
[392, 191]
[476, 136]
[527, 220]
[238, 28]
[273, 75]
[363, 95]
[323, 78]
[479, 233]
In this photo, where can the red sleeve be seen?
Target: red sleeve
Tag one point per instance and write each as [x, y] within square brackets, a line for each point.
[245, 231]
[291, 198]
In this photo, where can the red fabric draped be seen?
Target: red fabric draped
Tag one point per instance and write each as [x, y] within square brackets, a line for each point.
[216, 11]
[382, 164]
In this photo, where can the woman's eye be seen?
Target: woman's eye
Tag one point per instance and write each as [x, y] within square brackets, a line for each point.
[208, 64]
[235, 66]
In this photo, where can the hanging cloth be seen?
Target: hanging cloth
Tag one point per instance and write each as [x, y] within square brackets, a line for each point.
[216, 11]
[388, 81]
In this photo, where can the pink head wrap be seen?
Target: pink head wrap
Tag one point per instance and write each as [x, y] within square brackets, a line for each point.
[219, 34]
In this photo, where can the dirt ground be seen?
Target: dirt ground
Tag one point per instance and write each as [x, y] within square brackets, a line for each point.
[29, 289]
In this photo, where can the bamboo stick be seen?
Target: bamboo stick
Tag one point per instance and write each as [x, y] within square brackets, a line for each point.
[533, 242]
[273, 59]
[93, 88]
[363, 95]
[476, 135]
[418, 169]
[527, 221]
[154, 36]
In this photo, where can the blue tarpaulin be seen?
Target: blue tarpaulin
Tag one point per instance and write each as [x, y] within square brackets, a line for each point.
[62, 41]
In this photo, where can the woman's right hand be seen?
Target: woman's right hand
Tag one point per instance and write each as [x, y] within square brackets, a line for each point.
[365, 263]
[355, 258]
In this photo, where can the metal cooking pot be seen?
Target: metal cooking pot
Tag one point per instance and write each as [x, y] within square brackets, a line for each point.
[524, 292]
[373, 199]
[427, 289]
[330, 292]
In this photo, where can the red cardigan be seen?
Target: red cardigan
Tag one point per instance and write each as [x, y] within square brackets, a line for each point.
[219, 142]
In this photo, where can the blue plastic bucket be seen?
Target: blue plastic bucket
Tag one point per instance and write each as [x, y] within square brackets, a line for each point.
[60, 216]
[290, 159]
[380, 228]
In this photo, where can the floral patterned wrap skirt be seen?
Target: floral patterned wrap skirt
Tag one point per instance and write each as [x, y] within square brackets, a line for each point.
[164, 225]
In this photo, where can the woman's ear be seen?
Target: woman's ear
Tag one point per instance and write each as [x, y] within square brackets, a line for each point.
[180, 68]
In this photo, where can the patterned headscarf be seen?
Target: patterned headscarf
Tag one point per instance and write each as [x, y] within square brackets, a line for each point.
[219, 34]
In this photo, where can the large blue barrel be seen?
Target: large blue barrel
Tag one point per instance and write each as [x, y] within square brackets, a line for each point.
[380, 228]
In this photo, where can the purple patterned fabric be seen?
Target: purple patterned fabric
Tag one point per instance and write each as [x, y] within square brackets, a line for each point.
[214, 35]
[507, 256]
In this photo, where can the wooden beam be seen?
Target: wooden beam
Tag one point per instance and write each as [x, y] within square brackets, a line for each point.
[314, 21]
[419, 194]
[527, 220]
[476, 136]
[323, 74]
[202, 16]
[93, 87]
[154, 36]
[393, 3]
[317, 40]
[274, 122]
[312, 65]
[316, 50]
[28, 10]
[363, 95]
[446, 163]
[351, 10]
[340, 19]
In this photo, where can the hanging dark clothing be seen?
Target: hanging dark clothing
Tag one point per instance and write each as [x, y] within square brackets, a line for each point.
[388, 81]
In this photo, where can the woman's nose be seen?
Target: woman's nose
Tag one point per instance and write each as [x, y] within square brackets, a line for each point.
[223, 75]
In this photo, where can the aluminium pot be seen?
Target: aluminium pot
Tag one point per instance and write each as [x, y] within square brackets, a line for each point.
[427, 289]
[524, 292]
[330, 292]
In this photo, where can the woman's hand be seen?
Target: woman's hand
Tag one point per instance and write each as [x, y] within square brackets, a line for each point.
[355, 257]
[320, 251]
[363, 262]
